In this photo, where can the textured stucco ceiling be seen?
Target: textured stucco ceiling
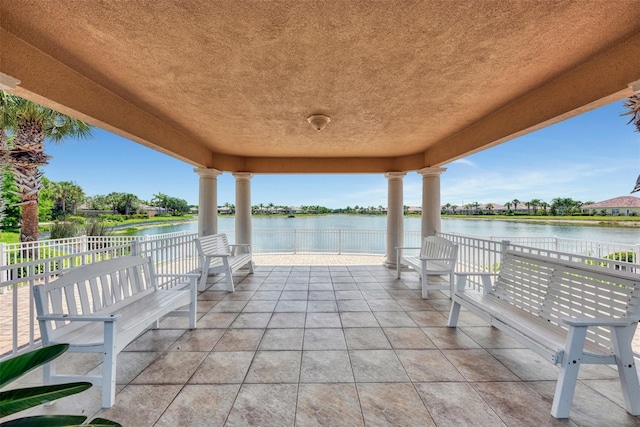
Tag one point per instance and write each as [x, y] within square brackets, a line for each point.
[407, 84]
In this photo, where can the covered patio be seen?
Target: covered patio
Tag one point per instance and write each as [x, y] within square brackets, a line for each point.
[231, 87]
[335, 345]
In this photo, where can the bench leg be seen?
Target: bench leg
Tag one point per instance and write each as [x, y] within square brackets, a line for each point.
[251, 267]
[568, 376]
[398, 266]
[229, 274]
[621, 338]
[425, 292]
[205, 274]
[109, 365]
[454, 313]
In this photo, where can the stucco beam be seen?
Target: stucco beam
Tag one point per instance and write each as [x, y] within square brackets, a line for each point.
[601, 80]
[319, 165]
[48, 82]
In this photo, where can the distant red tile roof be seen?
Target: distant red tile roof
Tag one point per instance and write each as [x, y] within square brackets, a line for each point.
[617, 202]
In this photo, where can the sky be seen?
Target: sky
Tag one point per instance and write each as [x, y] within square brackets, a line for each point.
[591, 157]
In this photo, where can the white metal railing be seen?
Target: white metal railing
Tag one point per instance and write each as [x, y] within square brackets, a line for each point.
[24, 265]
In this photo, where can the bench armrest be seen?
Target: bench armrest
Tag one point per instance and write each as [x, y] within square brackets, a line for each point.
[600, 321]
[461, 280]
[185, 275]
[217, 255]
[424, 258]
[80, 317]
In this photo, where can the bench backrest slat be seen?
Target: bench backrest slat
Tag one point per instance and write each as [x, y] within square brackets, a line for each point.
[438, 247]
[553, 289]
[213, 244]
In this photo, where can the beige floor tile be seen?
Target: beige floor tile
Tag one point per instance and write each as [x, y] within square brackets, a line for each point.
[347, 295]
[200, 405]
[393, 405]
[326, 367]
[366, 339]
[393, 319]
[416, 304]
[322, 307]
[259, 306]
[322, 295]
[264, 405]
[216, 320]
[291, 306]
[174, 367]
[266, 296]
[197, 340]
[384, 305]
[223, 367]
[287, 320]
[275, 367]
[282, 339]
[229, 306]
[517, 403]
[428, 318]
[526, 364]
[251, 320]
[376, 366]
[155, 340]
[449, 338]
[427, 366]
[490, 337]
[239, 340]
[588, 407]
[294, 295]
[323, 320]
[353, 305]
[132, 406]
[324, 339]
[479, 365]
[379, 294]
[408, 338]
[129, 364]
[239, 295]
[328, 405]
[355, 319]
[453, 404]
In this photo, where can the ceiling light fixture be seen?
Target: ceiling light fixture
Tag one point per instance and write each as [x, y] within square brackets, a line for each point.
[318, 121]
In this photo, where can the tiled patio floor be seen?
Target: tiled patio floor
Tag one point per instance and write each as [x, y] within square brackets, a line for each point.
[335, 345]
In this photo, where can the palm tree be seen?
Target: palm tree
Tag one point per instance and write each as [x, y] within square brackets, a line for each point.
[7, 118]
[453, 208]
[515, 204]
[66, 191]
[508, 205]
[31, 126]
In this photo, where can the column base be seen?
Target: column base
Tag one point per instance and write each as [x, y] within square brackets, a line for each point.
[390, 265]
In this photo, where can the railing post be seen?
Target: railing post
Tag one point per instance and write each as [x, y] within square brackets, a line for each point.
[4, 274]
[636, 253]
[339, 241]
[135, 248]
[295, 241]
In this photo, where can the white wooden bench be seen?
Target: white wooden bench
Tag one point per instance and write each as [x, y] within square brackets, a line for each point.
[103, 306]
[569, 313]
[218, 256]
[437, 257]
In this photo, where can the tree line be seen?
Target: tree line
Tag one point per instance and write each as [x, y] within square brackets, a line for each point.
[559, 206]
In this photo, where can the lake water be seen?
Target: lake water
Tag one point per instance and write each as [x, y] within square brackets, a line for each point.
[475, 227]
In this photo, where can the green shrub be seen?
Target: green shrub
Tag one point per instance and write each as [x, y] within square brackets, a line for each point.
[621, 256]
[80, 220]
[113, 218]
[63, 230]
[97, 228]
[17, 400]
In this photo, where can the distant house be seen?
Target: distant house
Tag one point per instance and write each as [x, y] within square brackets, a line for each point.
[625, 206]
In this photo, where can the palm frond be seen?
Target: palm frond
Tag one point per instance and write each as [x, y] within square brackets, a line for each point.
[633, 105]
